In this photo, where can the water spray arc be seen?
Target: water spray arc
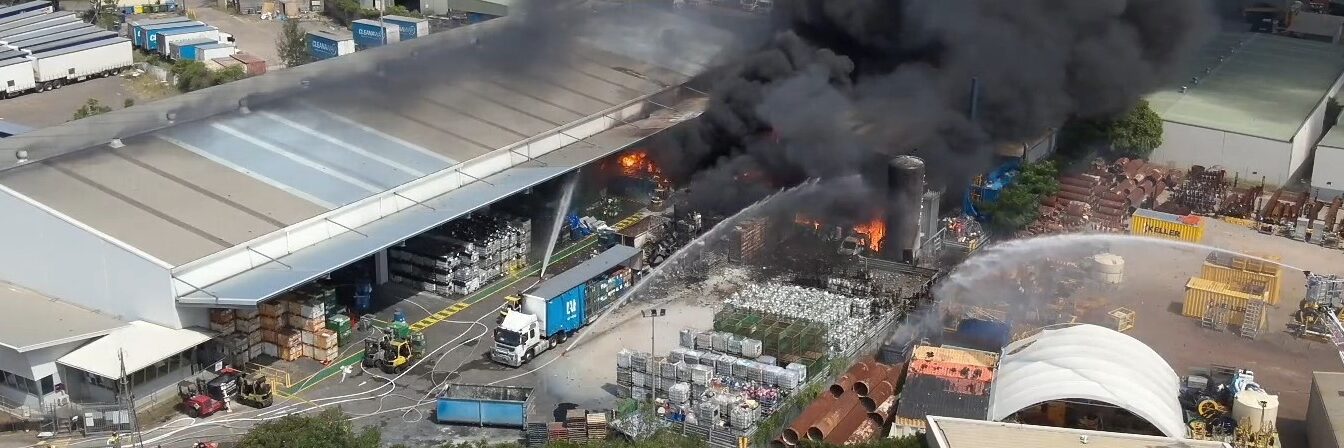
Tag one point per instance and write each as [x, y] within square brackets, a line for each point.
[566, 197]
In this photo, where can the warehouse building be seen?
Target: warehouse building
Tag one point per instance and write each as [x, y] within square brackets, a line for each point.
[1088, 363]
[1327, 172]
[156, 214]
[476, 10]
[1253, 104]
[30, 347]
[1325, 410]
[950, 432]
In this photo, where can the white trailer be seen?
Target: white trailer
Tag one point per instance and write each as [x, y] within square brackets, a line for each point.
[55, 68]
[166, 40]
[215, 51]
[16, 74]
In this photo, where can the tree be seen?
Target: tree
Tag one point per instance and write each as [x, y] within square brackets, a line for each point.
[1137, 133]
[104, 14]
[194, 75]
[128, 103]
[1019, 204]
[293, 45]
[328, 429]
[90, 108]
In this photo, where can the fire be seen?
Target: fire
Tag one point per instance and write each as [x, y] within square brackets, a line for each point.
[807, 222]
[876, 230]
[637, 162]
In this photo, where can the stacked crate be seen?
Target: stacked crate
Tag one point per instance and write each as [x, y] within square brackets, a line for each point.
[462, 256]
[290, 342]
[576, 422]
[272, 321]
[221, 321]
[340, 325]
[323, 346]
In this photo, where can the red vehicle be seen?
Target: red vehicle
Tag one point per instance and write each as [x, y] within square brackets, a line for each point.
[201, 398]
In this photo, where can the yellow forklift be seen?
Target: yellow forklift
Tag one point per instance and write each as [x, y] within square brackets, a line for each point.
[512, 302]
[255, 390]
[398, 353]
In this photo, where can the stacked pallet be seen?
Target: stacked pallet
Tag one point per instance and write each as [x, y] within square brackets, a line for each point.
[747, 241]
[536, 435]
[462, 256]
[576, 423]
[557, 431]
[290, 343]
[597, 426]
[272, 321]
[221, 321]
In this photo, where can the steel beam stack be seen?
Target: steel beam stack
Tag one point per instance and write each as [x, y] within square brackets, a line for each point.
[464, 255]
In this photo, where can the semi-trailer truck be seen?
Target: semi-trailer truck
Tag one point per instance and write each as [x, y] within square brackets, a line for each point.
[560, 306]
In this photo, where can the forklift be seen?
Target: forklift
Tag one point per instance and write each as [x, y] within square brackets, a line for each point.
[255, 390]
[201, 398]
[373, 349]
[398, 353]
[512, 302]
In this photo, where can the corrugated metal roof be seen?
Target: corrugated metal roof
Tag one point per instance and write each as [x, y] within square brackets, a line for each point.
[946, 381]
[142, 343]
[617, 255]
[37, 321]
[948, 432]
[1246, 89]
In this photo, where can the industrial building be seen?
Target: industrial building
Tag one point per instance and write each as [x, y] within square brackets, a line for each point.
[476, 10]
[1325, 410]
[1253, 104]
[1327, 171]
[949, 381]
[950, 432]
[218, 199]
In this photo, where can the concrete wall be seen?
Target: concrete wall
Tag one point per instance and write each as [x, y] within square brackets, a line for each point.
[1328, 172]
[1320, 430]
[1251, 157]
[58, 258]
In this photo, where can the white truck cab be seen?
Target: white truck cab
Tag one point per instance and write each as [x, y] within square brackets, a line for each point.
[518, 339]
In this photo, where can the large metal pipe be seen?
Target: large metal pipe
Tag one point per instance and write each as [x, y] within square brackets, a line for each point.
[905, 188]
[796, 432]
[853, 419]
[827, 423]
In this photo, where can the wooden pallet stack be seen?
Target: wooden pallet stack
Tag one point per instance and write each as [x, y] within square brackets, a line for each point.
[597, 426]
[576, 422]
[536, 435]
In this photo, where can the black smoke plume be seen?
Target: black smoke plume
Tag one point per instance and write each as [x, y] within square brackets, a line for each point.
[846, 84]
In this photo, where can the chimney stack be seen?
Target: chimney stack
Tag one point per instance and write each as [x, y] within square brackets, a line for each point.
[905, 188]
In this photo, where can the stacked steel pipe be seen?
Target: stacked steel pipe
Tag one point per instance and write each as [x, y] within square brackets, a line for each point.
[1102, 198]
[860, 403]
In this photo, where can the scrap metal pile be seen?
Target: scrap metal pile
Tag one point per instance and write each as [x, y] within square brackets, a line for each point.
[1201, 193]
[463, 255]
[1103, 197]
[842, 317]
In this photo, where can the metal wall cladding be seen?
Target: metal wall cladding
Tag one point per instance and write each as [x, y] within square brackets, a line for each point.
[1201, 293]
[1239, 279]
[1161, 228]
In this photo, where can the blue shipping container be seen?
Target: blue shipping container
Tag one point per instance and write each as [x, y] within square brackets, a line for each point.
[144, 36]
[368, 34]
[565, 312]
[483, 405]
[322, 48]
[410, 28]
[158, 35]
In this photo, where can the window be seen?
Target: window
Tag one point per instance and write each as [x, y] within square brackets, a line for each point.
[11, 83]
[48, 385]
[71, 71]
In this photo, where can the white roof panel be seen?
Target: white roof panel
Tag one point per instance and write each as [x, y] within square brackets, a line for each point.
[141, 344]
[46, 321]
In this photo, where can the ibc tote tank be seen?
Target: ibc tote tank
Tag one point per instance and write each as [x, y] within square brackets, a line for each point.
[1247, 408]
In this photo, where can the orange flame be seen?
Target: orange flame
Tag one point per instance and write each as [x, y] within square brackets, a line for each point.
[805, 221]
[876, 230]
[637, 162]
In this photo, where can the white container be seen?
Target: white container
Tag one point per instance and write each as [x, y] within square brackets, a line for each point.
[691, 356]
[719, 342]
[679, 393]
[742, 417]
[312, 310]
[767, 360]
[639, 379]
[701, 375]
[687, 339]
[676, 355]
[623, 358]
[751, 348]
[796, 367]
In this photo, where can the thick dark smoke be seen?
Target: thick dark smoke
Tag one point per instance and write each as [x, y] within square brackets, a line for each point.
[845, 84]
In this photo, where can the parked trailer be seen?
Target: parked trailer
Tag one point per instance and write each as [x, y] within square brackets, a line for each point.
[410, 27]
[370, 33]
[70, 42]
[55, 68]
[29, 18]
[39, 29]
[498, 406]
[17, 76]
[216, 51]
[138, 27]
[186, 50]
[326, 45]
[144, 38]
[160, 40]
[562, 305]
[43, 6]
[82, 32]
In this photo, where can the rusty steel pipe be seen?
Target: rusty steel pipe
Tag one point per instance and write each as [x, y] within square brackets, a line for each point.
[865, 385]
[827, 423]
[797, 431]
[849, 421]
[879, 393]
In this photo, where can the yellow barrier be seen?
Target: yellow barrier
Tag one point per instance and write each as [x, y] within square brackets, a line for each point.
[1239, 222]
[277, 378]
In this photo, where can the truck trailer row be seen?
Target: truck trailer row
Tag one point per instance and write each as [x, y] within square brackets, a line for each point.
[50, 68]
[365, 33]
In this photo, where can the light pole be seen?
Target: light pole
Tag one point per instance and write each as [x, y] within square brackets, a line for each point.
[653, 314]
[1263, 405]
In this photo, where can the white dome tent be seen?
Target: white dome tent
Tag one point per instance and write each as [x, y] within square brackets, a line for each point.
[1088, 362]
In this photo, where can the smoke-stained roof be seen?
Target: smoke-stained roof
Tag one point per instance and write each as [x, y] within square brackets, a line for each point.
[193, 189]
[1256, 84]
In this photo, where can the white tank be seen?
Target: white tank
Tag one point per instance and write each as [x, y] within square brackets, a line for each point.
[1108, 268]
[1247, 408]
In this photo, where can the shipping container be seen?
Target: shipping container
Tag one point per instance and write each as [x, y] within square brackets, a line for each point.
[1245, 272]
[370, 33]
[497, 406]
[1200, 294]
[255, 65]
[1165, 225]
[224, 62]
[410, 27]
[58, 67]
[186, 50]
[216, 51]
[160, 40]
[143, 34]
[327, 45]
[17, 76]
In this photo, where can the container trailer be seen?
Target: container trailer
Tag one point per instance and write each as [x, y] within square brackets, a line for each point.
[327, 45]
[186, 50]
[498, 406]
[160, 40]
[42, 6]
[216, 51]
[50, 19]
[371, 33]
[39, 29]
[70, 42]
[410, 27]
[55, 68]
[138, 27]
[144, 36]
[17, 74]
[558, 307]
[87, 33]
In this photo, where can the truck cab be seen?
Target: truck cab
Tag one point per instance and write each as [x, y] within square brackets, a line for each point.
[518, 338]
